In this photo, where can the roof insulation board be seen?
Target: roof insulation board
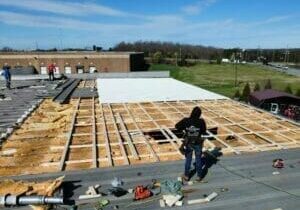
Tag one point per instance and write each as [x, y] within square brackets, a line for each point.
[129, 90]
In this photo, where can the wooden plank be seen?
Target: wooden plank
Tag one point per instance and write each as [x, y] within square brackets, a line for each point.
[142, 134]
[69, 137]
[107, 146]
[129, 140]
[123, 151]
[94, 140]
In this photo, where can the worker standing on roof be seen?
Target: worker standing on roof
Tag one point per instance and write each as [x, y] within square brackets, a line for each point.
[51, 69]
[194, 127]
[7, 75]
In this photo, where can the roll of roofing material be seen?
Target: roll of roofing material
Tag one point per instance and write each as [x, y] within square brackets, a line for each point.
[10, 200]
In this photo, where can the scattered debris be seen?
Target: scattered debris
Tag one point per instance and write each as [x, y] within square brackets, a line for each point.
[130, 191]
[204, 200]
[291, 166]
[230, 138]
[83, 197]
[171, 187]
[91, 191]
[180, 179]
[223, 189]
[46, 188]
[170, 200]
[118, 191]
[162, 203]
[117, 182]
[278, 163]
[102, 203]
[179, 203]
[141, 192]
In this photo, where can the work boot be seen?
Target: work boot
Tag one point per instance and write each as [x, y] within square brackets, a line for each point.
[185, 178]
[199, 179]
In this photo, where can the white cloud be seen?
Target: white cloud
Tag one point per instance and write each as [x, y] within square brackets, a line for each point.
[64, 8]
[160, 27]
[198, 7]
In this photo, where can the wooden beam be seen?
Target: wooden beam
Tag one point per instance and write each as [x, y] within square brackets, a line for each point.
[129, 140]
[123, 151]
[107, 145]
[69, 138]
[94, 140]
[142, 134]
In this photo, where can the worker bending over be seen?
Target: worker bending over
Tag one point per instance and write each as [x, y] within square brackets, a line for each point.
[193, 127]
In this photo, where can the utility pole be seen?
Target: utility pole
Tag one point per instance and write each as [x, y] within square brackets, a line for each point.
[235, 69]
[180, 54]
[286, 55]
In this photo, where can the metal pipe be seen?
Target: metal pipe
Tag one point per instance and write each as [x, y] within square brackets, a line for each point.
[10, 200]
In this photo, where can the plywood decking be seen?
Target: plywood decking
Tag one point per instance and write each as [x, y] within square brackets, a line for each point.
[106, 135]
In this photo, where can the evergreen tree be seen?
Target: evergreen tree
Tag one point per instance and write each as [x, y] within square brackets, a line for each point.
[268, 84]
[288, 89]
[237, 95]
[246, 92]
[298, 93]
[256, 87]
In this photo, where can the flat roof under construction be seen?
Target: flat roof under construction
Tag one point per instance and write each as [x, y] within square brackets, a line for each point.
[128, 90]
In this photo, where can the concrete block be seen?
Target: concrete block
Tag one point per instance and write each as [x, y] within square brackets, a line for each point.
[211, 196]
[172, 199]
[179, 203]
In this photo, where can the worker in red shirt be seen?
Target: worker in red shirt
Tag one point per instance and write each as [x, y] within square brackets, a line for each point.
[51, 69]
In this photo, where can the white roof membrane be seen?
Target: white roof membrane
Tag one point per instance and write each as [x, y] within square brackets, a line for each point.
[130, 90]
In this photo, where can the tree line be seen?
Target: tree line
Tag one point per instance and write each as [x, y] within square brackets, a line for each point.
[171, 50]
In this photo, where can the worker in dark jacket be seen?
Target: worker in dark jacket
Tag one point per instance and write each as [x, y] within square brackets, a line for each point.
[7, 75]
[193, 127]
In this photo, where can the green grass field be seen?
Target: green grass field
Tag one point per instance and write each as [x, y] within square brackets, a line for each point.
[221, 78]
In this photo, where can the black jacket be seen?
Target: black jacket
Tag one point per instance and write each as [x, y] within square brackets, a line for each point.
[193, 120]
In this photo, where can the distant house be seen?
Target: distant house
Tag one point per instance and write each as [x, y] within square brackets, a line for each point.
[225, 60]
[277, 102]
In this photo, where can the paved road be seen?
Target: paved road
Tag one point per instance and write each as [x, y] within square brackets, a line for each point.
[243, 193]
[290, 71]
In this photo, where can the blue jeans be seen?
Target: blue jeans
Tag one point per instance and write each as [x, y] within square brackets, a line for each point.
[189, 158]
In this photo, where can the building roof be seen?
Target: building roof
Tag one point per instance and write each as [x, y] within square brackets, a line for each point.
[69, 52]
[270, 93]
[129, 90]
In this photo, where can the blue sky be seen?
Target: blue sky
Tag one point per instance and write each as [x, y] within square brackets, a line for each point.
[222, 23]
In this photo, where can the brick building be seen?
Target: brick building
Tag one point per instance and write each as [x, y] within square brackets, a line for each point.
[76, 62]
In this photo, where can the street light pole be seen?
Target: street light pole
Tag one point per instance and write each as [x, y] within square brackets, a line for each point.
[235, 68]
